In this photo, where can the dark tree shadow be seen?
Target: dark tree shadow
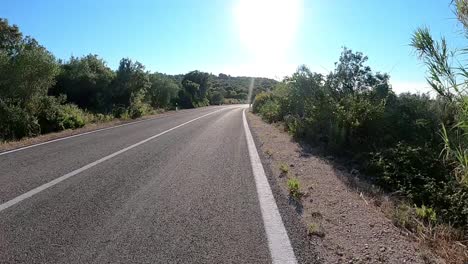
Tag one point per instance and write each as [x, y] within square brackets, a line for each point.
[297, 204]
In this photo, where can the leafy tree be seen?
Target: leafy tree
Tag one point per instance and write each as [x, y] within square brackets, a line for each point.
[352, 75]
[85, 81]
[304, 87]
[130, 84]
[10, 37]
[216, 98]
[196, 84]
[162, 91]
[27, 73]
[185, 99]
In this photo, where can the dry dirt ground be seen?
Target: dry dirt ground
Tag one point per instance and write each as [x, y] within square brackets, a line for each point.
[346, 225]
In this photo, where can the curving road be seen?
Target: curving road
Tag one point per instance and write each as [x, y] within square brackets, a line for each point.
[175, 189]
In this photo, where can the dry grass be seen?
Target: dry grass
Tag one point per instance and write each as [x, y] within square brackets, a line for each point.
[284, 168]
[447, 243]
[442, 240]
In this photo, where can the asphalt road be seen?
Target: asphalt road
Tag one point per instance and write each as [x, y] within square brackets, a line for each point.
[185, 196]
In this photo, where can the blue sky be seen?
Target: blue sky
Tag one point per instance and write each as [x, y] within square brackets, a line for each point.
[239, 37]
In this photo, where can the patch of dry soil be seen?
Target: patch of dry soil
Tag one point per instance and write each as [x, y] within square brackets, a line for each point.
[346, 226]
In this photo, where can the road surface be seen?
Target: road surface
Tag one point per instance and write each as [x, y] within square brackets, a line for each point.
[175, 189]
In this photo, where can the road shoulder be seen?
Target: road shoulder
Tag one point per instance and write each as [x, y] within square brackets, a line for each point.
[304, 250]
[333, 219]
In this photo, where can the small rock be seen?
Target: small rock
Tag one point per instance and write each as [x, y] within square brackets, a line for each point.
[382, 249]
[291, 165]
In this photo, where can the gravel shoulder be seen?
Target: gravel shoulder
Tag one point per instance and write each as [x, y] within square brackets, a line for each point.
[344, 225]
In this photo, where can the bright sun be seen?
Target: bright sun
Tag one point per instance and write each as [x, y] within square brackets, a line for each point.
[267, 28]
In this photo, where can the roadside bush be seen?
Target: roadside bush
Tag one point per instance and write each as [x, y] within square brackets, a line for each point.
[260, 100]
[270, 111]
[120, 111]
[202, 102]
[216, 98]
[97, 118]
[294, 189]
[420, 175]
[268, 107]
[231, 101]
[409, 169]
[53, 115]
[16, 122]
[358, 121]
[138, 110]
[294, 125]
[71, 117]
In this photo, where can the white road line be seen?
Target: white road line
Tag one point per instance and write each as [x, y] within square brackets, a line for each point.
[90, 165]
[79, 135]
[278, 241]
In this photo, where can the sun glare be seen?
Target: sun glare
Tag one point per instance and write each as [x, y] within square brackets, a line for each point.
[267, 28]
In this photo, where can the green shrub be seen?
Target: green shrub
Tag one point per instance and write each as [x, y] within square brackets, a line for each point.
[406, 168]
[16, 122]
[47, 112]
[403, 216]
[260, 100]
[71, 117]
[120, 111]
[270, 111]
[138, 110]
[284, 168]
[216, 98]
[426, 213]
[203, 102]
[55, 116]
[421, 176]
[294, 188]
[231, 101]
[98, 118]
[359, 120]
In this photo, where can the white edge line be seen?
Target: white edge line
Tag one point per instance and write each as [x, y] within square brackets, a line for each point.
[90, 165]
[81, 134]
[279, 244]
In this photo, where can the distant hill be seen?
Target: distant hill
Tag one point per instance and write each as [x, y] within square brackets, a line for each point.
[234, 89]
[238, 87]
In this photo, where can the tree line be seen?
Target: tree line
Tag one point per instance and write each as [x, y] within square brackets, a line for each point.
[40, 94]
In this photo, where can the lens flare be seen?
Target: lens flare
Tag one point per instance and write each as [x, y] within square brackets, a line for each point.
[267, 28]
